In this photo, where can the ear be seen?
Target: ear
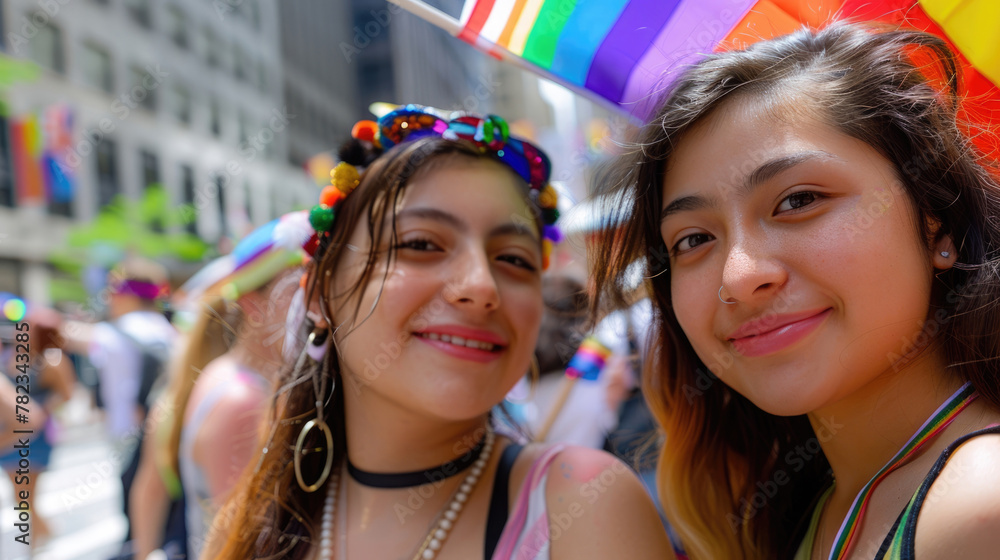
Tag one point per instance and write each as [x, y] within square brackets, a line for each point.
[943, 246]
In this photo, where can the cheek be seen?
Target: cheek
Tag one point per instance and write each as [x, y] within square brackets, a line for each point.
[691, 296]
[524, 309]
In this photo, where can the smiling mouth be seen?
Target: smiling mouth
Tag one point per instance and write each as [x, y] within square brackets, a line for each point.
[462, 342]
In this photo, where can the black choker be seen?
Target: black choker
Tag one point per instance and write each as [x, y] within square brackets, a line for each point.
[417, 478]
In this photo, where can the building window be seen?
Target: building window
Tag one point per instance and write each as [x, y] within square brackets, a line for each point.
[187, 188]
[254, 13]
[182, 104]
[211, 49]
[214, 118]
[177, 27]
[146, 97]
[239, 64]
[248, 204]
[220, 188]
[150, 178]
[6, 180]
[262, 77]
[47, 48]
[150, 168]
[140, 12]
[107, 172]
[96, 64]
[244, 128]
[276, 206]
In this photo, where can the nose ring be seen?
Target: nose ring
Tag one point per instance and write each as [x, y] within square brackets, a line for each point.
[724, 301]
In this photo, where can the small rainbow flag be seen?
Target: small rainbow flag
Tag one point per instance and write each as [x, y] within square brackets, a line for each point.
[589, 359]
[624, 53]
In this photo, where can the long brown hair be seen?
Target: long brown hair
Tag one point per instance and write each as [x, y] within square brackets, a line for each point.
[210, 337]
[896, 90]
[270, 516]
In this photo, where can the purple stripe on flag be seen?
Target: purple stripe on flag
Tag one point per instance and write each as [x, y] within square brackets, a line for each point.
[633, 33]
[692, 32]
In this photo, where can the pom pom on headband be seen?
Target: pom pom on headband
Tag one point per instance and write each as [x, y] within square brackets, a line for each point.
[489, 133]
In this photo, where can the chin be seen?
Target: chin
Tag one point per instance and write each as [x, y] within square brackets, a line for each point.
[781, 395]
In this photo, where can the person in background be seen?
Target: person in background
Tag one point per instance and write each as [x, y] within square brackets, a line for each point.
[129, 351]
[50, 379]
[219, 386]
[589, 412]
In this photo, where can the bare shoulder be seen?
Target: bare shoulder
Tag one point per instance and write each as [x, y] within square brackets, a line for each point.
[961, 514]
[597, 508]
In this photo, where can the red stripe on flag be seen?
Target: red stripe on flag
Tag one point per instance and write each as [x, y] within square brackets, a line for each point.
[477, 20]
[980, 107]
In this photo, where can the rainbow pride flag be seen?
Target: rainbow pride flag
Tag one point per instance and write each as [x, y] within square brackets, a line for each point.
[624, 53]
[589, 359]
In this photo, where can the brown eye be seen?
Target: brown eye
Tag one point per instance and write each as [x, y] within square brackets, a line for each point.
[691, 241]
[797, 200]
[419, 245]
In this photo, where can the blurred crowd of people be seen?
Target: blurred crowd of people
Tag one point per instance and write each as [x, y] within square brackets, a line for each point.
[184, 377]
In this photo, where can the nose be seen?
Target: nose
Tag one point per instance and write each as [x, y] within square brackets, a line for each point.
[473, 286]
[751, 273]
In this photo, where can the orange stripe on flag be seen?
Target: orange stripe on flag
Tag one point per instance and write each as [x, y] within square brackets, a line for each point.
[814, 13]
[508, 29]
[764, 21]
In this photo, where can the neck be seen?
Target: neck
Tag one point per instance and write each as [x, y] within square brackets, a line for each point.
[386, 439]
[860, 433]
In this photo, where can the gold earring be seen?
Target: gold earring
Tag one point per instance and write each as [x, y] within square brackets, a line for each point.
[319, 377]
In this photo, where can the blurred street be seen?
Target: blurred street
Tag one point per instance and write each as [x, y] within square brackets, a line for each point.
[79, 498]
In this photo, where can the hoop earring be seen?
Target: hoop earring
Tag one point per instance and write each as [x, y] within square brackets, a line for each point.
[316, 349]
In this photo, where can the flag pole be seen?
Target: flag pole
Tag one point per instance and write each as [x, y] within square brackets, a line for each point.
[436, 17]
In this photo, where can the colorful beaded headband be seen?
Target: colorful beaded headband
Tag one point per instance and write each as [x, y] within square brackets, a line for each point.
[490, 134]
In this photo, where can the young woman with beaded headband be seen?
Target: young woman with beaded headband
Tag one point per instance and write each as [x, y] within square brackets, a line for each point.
[820, 242]
[425, 300]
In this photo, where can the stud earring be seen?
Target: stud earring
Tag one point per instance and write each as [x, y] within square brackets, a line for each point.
[945, 254]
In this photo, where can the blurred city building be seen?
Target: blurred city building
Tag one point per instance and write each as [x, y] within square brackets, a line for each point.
[183, 93]
[225, 103]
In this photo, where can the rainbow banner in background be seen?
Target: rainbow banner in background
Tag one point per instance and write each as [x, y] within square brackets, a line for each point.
[627, 51]
[589, 360]
[39, 151]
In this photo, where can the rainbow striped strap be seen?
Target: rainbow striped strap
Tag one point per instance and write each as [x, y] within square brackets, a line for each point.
[934, 425]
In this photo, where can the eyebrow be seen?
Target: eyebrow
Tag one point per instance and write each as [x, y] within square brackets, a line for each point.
[763, 173]
[436, 215]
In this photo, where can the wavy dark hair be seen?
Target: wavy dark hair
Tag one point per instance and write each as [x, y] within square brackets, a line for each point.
[896, 90]
[269, 515]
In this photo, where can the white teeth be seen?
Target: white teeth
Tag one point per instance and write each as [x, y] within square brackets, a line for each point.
[459, 341]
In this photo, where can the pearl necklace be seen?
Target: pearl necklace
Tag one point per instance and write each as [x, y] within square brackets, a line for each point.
[444, 522]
